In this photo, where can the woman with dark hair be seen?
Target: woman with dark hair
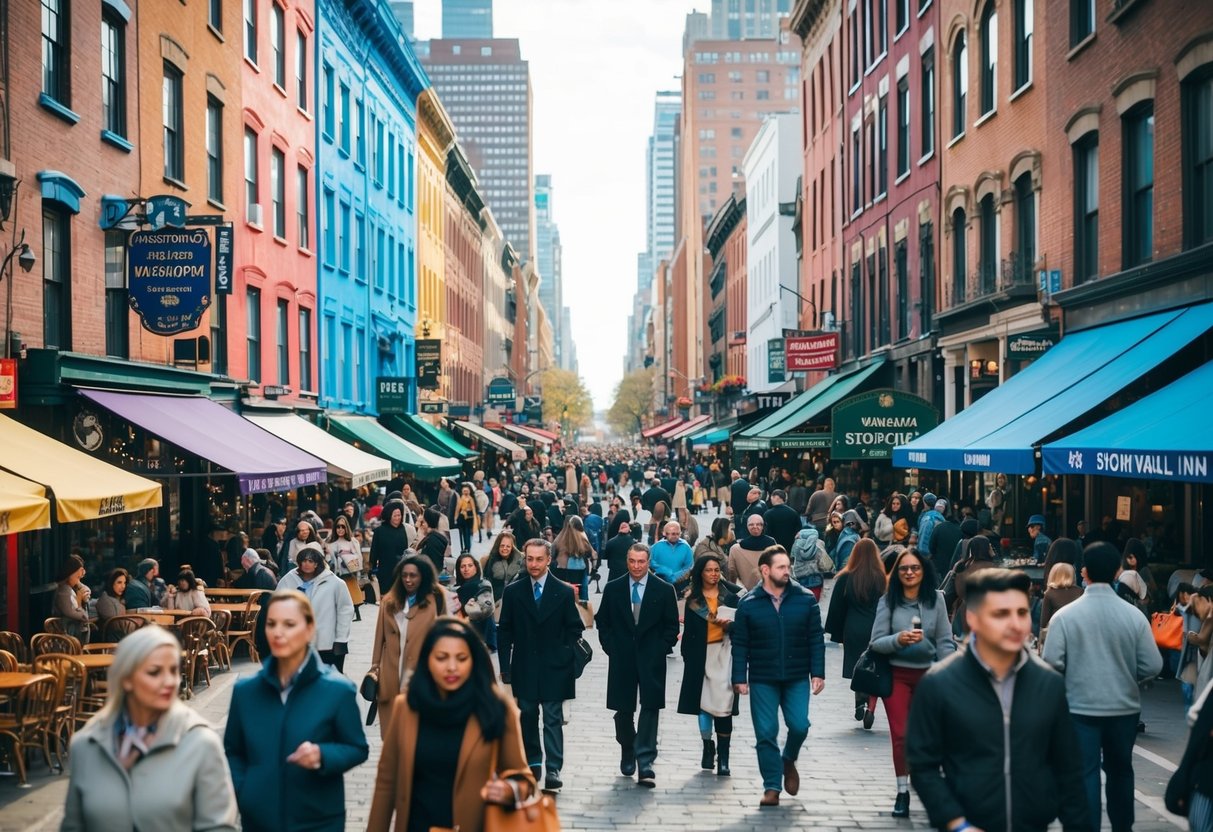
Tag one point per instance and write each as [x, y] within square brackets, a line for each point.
[915, 508]
[891, 525]
[433, 544]
[857, 590]
[1063, 550]
[472, 586]
[455, 743]
[912, 629]
[111, 602]
[345, 559]
[467, 518]
[621, 515]
[503, 563]
[978, 556]
[71, 597]
[718, 540]
[572, 550]
[188, 595]
[1130, 585]
[707, 689]
[406, 615]
[1137, 548]
[841, 504]
[388, 544]
[661, 514]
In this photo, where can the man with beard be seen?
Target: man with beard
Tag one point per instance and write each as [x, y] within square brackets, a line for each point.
[743, 557]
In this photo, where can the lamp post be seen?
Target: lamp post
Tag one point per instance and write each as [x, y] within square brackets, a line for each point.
[792, 291]
[26, 258]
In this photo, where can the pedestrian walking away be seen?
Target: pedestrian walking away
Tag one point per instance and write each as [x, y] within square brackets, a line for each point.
[857, 590]
[637, 628]
[778, 658]
[538, 629]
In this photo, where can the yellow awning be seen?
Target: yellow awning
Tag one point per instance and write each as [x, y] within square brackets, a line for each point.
[23, 505]
[85, 488]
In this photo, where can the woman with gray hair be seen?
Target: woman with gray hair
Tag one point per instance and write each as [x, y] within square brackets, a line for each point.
[146, 760]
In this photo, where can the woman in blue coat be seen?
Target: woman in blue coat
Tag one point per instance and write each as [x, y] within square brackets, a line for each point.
[293, 730]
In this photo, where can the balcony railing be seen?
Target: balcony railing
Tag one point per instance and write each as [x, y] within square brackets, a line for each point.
[1011, 273]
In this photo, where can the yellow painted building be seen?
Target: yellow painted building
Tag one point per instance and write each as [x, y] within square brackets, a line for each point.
[435, 133]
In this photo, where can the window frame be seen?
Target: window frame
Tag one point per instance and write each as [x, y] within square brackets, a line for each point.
[305, 348]
[117, 303]
[1027, 233]
[173, 134]
[278, 44]
[1082, 21]
[303, 212]
[251, 31]
[960, 255]
[1023, 36]
[301, 70]
[1086, 218]
[903, 125]
[252, 334]
[252, 177]
[56, 75]
[927, 145]
[57, 261]
[278, 190]
[1196, 98]
[283, 347]
[113, 89]
[988, 29]
[214, 149]
[1137, 218]
[960, 85]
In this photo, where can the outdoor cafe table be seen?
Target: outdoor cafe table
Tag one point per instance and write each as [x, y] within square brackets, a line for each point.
[228, 593]
[101, 647]
[95, 661]
[14, 680]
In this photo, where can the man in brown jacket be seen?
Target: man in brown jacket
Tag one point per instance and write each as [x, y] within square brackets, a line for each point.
[743, 556]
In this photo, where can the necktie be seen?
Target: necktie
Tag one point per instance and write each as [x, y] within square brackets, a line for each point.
[538, 591]
[636, 601]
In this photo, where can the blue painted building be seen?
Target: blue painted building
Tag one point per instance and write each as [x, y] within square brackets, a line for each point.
[367, 83]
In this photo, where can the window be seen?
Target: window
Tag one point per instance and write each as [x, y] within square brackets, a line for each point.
[882, 139]
[343, 237]
[856, 310]
[1082, 21]
[1025, 228]
[874, 307]
[359, 141]
[903, 126]
[56, 277]
[301, 70]
[328, 100]
[278, 190]
[1086, 208]
[113, 73]
[214, 14]
[219, 335]
[327, 219]
[214, 149]
[117, 333]
[989, 58]
[903, 289]
[882, 277]
[252, 193]
[284, 347]
[903, 15]
[278, 43]
[305, 348]
[346, 359]
[882, 26]
[854, 24]
[56, 51]
[1138, 215]
[928, 103]
[960, 84]
[1024, 24]
[926, 267]
[869, 19]
[959, 256]
[253, 340]
[987, 227]
[1198, 158]
[302, 211]
[174, 129]
[250, 30]
[359, 250]
[344, 109]
[856, 171]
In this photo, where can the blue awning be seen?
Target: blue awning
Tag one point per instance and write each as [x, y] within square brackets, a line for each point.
[1164, 436]
[999, 432]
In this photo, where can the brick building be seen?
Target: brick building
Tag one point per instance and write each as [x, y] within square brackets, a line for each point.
[719, 233]
[463, 340]
[736, 284]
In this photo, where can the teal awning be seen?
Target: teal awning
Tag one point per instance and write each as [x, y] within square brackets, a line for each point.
[1000, 431]
[817, 399]
[366, 433]
[420, 432]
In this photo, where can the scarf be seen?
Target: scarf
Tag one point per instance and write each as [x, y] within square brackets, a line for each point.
[133, 741]
[455, 709]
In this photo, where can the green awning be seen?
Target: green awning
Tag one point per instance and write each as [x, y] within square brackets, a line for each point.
[364, 432]
[817, 399]
[422, 433]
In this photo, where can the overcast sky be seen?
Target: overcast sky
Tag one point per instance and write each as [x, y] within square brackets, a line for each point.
[595, 67]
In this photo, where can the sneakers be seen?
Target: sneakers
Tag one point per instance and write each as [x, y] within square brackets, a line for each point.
[553, 783]
[901, 807]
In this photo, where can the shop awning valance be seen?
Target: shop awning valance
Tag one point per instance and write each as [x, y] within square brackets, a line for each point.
[417, 430]
[687, 428]
[812, 402]
[342, 458]
[517, 452]
[261, 462]
[546, 434]
[23, 505]
[406, 456]
[1000, 431]
[1164, 436]
[525, 433]
[658, 430]
[84, 487]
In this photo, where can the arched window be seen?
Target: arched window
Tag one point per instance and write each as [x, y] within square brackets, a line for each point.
[960, 84]
[959, 256]
[1024, 24]
[1086, 208]
[988, 241]
[1137, 216]
[1025, 227]
[989, 58]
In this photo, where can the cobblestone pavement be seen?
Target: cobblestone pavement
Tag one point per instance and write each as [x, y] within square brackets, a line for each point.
[846, 772]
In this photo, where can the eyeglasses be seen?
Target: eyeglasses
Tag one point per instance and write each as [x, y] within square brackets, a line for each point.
[911, 569]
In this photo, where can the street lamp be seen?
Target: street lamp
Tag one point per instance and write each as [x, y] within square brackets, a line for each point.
[792, 291]
[26, 259]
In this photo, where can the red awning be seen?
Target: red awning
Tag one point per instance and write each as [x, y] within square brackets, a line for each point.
[546, 434]
[658, 430]
[686, 428]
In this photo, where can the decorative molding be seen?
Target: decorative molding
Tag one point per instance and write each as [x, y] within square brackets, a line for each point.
[174, 53]
[1133, 89]
[1196, 53]
[1026, 161]
[1084, 121]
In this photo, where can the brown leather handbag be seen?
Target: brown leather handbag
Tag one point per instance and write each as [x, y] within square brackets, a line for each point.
[536, 814]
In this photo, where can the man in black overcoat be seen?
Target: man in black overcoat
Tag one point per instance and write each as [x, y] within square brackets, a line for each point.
[539, 626]
[637, 628]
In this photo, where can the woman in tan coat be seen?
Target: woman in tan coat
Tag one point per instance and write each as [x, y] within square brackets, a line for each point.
[406, 616]
[454, 733]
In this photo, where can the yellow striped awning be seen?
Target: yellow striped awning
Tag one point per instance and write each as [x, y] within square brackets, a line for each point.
[23, 505]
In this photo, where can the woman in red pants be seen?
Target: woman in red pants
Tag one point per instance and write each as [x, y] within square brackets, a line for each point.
[913, 630]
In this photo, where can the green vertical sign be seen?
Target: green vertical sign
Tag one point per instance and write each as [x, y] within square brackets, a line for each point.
[775, 372]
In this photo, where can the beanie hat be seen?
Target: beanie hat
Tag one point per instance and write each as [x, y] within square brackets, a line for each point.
[941, 505]
[929, 499]
[970, 527]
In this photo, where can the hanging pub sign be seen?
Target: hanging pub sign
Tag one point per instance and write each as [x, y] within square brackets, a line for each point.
[392, 394]
[168, 275]
[501, 392]
[165, 209]
[813, 352]
[870, 425]
[223, 260]
[8, 383]
[429, 363]
[775, 373]
[1031, 345]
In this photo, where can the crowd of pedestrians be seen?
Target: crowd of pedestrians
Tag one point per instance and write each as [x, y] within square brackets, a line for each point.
[1004, 701]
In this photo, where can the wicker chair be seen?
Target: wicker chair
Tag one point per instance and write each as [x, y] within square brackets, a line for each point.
[57, 624]
[219, 649]
[72, 678]
[13, 643]
[8, 662]
[196, 634]
[54, 643]
[31, 722]
[121, 626]
[246, 628]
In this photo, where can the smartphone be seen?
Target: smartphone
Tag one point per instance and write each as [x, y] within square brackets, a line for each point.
[916, 623]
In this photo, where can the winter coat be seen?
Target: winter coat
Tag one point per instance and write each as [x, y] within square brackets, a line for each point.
[181, 785]
[927, 522]
[262, 731]
[331, 605]
[783, 524]
[742, 563]
[784, 645]
[842, 550]
[808, 558]
[388, 545]
[535, 641]
[709, 546]
[386, 648]
[637, 651]
[937, 642]
[849, 621]
[694, 649]
[616, 555]
[944, 540]
[502, 571]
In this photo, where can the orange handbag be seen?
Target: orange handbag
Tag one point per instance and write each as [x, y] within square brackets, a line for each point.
[1168, 630]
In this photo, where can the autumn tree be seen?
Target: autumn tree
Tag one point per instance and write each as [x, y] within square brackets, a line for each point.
[565, 400]
[633, 401]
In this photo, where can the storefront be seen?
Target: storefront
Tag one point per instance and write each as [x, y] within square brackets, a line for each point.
[497, 452]
[418, 431]
[421, 465]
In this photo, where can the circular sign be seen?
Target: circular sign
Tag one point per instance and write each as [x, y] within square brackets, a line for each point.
[87, 430]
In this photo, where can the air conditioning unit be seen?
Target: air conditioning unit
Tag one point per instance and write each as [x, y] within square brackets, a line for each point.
[254, 213]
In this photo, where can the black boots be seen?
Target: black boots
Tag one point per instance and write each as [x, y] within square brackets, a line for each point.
[709, 755]
[722, 755]
[901, 808]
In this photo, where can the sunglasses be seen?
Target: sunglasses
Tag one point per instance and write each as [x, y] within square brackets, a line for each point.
[909, 569]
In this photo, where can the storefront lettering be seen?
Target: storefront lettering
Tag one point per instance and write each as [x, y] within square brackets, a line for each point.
[889, 421]
[977, 459]
[111, 505]
[869, 438]
[1158, 465]
[918, 457]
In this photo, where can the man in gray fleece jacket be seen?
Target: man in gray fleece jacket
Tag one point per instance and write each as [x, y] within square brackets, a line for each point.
[1103, 646]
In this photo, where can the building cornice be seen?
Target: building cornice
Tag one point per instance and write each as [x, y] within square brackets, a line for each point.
[433, 118]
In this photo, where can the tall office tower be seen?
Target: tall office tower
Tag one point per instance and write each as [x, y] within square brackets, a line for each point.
[547, 258]
[403, 12]
[467, 19]
[698, 26]
[486, 88]
[746, 19]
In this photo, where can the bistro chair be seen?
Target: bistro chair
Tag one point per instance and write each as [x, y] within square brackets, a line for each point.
[121, 626]
[219, 645]
[29, 725]
[72, 681]
[247, 627]
[196, 634]
[8, 662]
[57, 624]
[54, 643]
[15, 644]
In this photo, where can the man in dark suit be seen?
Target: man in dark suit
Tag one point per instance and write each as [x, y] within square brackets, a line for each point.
[539, 626]
[782, 521]
[637, 628]
[615, 553]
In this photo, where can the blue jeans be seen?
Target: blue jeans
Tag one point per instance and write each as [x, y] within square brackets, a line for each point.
[1110, 738]
[766, 701]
